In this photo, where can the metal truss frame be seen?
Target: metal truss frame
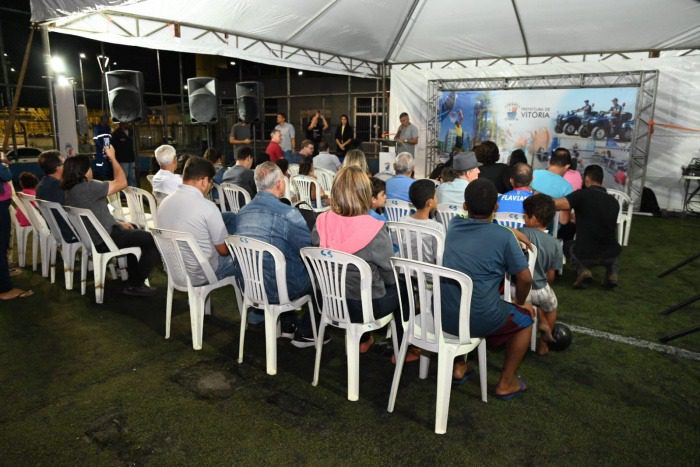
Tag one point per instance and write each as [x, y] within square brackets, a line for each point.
[645, 80]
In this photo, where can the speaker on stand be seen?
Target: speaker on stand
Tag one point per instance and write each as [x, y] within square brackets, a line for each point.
[203, 103]
[125, 93]
[250, 104]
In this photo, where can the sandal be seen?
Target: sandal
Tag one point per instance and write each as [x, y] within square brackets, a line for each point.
[15, 293]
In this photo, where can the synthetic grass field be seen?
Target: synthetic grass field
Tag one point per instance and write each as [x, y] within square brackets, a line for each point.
[87, 384]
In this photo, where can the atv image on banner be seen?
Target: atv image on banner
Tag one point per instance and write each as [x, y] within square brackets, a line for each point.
[570, 122]
[601, 126]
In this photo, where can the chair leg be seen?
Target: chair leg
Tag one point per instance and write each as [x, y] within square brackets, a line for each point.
[44, 253]
[52, 259]
[444, 386]
[99, 272]
[35, 250]
[196, 319]
[424, 366]
[397, 373]
[244, 323]
[533, 336]
[319, 349]
[271, 341]
[168, 310]
[352, 349]
[83, 271]
[481, 351]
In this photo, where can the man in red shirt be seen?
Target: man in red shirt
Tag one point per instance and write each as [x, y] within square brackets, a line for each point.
[274, 150]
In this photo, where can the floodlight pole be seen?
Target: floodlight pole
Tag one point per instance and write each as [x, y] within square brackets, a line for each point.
[49, 81]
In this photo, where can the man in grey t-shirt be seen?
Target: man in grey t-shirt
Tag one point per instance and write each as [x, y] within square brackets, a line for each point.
[241, 174]
[240, 136]
[406, 135]
[289, 141]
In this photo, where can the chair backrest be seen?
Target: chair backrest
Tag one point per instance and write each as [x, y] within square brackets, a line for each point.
[184, 261]
[159, 196]
[235, 197]
[250, 254]
[303, 185]
[418, 242]
[446, 211]
[149, 177]
[117, 208]
[328, 270]
[137, 199]
[325, 177]
[427, 281]
[293, 170]
[383, 176]
[395, 209]
[624, 215]
[27, 202]
[531, 261]
[513, 220]
[86, 225]
[52, 212]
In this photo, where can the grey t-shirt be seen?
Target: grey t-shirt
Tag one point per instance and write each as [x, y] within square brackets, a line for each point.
[549, 255]
[410, 132]
[240, 132]
[92, 195]
[244, 178]
[287, 130]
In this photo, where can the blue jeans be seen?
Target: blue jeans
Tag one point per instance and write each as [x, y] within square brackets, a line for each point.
[128, 168]
[226, 268]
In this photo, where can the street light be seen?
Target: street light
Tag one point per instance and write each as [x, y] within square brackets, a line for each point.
[58, 65]
[81, 57]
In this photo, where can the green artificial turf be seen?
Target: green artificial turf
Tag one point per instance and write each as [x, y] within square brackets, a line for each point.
[87, 384]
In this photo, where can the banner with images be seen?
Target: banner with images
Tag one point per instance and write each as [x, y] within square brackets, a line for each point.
[595, 124]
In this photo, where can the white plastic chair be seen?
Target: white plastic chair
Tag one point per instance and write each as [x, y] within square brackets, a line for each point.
[328, 269]
[231, 199]
[189, 271]
[446, 211]
[137, 199]
[47, 243]
[22, 235]
[250, 254]
[149, 177]
[159, 196]
[507, 294]
[624, 216]
[293, 170]
[325, 177]
[424, 330]
[412, 240]
[84, 222]
[117, 208]
[52, 212]
[395, 209]
[513, 220]
[302, 185]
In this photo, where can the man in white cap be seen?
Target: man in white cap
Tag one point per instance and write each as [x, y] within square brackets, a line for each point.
[466, 168]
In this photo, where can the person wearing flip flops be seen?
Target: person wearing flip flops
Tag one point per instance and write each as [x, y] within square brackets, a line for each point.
[485, 251]
[7, 290]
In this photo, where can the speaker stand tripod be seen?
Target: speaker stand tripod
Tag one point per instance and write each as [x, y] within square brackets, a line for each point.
[682, 304]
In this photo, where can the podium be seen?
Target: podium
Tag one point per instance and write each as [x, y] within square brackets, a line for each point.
[386, 145]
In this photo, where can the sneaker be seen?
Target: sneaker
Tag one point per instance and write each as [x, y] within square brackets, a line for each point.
[255, 316]
[583, 280]
[610, 282]
[139, 291]
[301, 342]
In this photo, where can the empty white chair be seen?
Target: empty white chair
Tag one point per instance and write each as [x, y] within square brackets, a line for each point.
[514, 220]
[234, 197]
[189, 271]
[84, 222]
[69, 249]
[137, 200]
[418, 242]
[424, 330]
[446, 211]
[624, 216]
[507, 294]
[47, 243]
[325, 177]
[22, 235]
[250, 254]
[395, 209]
[302, 185]
[327, 269]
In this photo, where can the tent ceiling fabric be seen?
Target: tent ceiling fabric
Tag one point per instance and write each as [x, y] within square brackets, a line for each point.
[378, 31]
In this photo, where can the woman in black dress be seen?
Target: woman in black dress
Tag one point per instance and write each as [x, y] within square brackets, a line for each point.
[343, 137]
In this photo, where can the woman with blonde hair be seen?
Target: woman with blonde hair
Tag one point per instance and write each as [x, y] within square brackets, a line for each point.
[356, 158]
[348, 228]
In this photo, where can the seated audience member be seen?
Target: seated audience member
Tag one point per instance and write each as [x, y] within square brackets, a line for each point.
[378, 199]
[347, 227]
[283, 164]
[355, 157]
[517, 157]
[520, 179]
[216, 158]
[166, 180]
[181, 161]
[485, 251]
[188, 210]
[84, 192]
[424, 199]
[596, 224]
[307, 168]
[326, 160]
[274, 149]
[268, 219]
[539, 212]
[573, 176]
[551, 181]
[466, 170]
[28, 183]
[487, 153]
[241, 173]
[398, 185]
[49, 188]
[306, 150]
[447, 174]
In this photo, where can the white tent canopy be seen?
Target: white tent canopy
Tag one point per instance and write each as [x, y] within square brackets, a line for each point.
[356, 36]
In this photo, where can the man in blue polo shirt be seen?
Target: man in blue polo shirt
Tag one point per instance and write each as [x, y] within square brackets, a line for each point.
[551, 181]
[397, 186]
[520, 179]
[485, 251]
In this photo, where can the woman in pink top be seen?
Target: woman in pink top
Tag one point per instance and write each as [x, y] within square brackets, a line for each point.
[573, 176]
[28, 182]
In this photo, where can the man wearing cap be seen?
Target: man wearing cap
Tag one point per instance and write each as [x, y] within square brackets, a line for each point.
[466, 168]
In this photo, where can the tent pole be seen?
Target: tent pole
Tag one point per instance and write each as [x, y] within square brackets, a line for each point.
[8, 94]
[289, 99]
[182, 87]
[385, 115]
[49, 82]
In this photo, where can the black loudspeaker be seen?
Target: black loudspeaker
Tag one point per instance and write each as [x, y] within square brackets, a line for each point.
[249, 97]
[125, 92]
[203, 100]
